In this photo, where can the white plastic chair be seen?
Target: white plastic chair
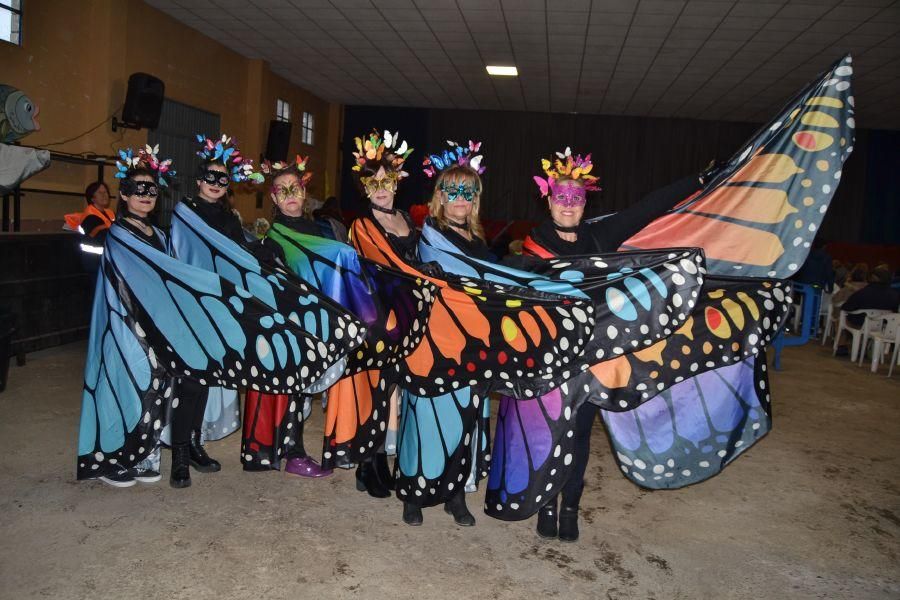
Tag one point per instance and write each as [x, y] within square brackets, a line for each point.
[829, 309]
[856, 334]
[825, 312]
[882, 340]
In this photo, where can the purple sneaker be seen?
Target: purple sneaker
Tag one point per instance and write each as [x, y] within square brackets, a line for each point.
[306, 467]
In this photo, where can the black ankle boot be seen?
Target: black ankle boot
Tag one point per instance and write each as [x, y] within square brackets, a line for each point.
[568, 515]
[383, 472]
[412, 514]
[200, 460]
[180, 477]
[546, 521]
[367, 480]
[456, 506]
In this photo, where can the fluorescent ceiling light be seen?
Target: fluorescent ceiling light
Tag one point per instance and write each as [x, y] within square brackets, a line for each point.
[504, 71]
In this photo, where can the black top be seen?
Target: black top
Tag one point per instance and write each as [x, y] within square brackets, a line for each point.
[219, 217]
[606, 235]
[476, 247]
[817, 270]
[153, 239]
[406, 246]
[90, 223]
[874, 295]
[298, 224]
[223, 220]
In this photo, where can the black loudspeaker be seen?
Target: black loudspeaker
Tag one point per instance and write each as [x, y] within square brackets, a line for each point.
[144, 101]
[278, 141]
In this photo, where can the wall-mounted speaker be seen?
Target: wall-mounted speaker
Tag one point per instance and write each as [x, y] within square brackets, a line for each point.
[279, 140]
[143, 101]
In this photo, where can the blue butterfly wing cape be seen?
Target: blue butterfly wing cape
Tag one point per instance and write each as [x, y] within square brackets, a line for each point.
[155, 318]
[331, 331]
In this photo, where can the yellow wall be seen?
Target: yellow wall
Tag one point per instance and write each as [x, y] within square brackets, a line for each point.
[75, 62]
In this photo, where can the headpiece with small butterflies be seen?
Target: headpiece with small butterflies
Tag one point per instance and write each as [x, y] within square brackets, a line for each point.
[271, 170]
[455, 155]
[383, 156]
[576, 168]
[145, 158]
[225, 151]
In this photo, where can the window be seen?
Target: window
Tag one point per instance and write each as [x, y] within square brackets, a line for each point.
[282, 109]
[11, 21]
[309, 124]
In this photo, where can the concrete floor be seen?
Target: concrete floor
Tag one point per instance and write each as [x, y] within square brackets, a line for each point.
[813, 511]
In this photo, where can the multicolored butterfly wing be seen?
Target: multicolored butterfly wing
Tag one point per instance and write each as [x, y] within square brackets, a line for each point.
[298, 325]
[443, 445]
[272, 424]
[690, 432]
[734, 319]
[762, 213]
[155, 318]
[532, 455]
[486, 334]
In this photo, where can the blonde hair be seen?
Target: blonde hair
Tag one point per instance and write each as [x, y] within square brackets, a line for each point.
[454, 176]
[307, 209]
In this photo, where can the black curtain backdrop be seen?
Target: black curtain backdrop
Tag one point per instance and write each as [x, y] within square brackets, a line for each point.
[882, 201]
[632, 156]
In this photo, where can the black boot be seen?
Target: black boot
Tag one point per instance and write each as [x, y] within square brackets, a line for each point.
[367, 480]
[568, 516]
[456, 506]
[180, 476]
[546, 521]
[200, 460]
[412, 514]
[383, 472]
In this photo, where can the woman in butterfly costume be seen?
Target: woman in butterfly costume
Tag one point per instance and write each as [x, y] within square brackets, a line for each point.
[378, 169]
[273, 423]
[680, 410]
[453, 210]
[156, 318]
[221, 163]
[565, 184]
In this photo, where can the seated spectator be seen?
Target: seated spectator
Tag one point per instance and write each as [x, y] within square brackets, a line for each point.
[857, 279]
[817, 269]
[840, 273]
[878, 294]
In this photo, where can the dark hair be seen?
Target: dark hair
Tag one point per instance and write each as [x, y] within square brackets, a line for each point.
[859, 273]
[206, 164]
[92, 188]
[881, 274]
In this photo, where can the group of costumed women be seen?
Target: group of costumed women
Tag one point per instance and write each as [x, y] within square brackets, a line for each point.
[644, 317]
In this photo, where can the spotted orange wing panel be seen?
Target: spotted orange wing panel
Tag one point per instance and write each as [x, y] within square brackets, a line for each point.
[734, 319]
[760, 215]
[485, 334]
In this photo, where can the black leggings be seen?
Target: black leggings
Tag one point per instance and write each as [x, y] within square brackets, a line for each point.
[188, 415]
[584, 422]
[298, 450]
